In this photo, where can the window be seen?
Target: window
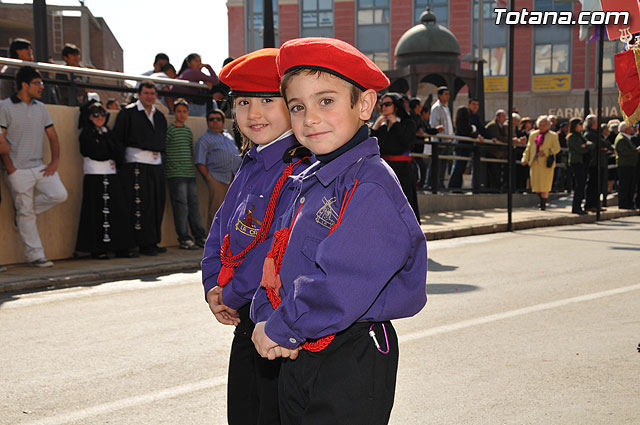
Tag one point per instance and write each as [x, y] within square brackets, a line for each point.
[373, 12]
[440, 8]
[551, 59]
[255, 27]
[380, 58]
[317, 18]
[608, 75]
[496, 58]
[494, 40]
[317, 13]
[373, 31]
[551, 42]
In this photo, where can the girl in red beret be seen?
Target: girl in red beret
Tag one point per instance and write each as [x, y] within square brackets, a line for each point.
[243, 227]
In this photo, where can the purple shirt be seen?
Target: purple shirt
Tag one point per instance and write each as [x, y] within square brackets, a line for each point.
[241, 216]
[195, 75]
[373, 267]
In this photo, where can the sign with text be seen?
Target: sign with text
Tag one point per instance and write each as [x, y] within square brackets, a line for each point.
[551, 82]
[495, 84]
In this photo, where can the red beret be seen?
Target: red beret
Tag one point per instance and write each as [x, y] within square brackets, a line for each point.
[253, 75]
[333, 56]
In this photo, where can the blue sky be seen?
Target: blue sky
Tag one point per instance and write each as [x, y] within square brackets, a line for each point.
[144, 28]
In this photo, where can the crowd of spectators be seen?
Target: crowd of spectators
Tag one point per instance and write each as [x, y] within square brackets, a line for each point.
[545, 161]
[126, 170]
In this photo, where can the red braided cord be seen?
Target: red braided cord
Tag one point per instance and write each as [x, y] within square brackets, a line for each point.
[277, 253]
[232, 261]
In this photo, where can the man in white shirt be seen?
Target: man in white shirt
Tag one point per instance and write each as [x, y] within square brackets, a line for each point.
[440, 119]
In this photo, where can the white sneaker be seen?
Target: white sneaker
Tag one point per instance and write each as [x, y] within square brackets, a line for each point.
[42, 262]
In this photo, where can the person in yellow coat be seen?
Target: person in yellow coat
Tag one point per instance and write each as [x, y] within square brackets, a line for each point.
[542, 143]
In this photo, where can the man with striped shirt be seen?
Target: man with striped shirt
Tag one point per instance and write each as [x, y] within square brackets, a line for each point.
[181, 175]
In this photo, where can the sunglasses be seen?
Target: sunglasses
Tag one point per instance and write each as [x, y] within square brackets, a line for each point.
[214, 119]
[387, 103]
[37, 83]
[97, 114]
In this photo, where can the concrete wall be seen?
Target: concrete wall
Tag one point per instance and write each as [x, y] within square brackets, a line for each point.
[58, 227]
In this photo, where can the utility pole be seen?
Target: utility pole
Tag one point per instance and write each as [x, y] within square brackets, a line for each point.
[269, 39]
[40, 30]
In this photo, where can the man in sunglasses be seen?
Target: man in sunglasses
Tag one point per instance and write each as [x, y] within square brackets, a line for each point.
[24, 121]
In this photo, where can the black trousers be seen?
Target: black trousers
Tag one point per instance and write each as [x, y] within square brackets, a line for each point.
[408, 180]
[145, 192]
[626, 186]
[579, 178]
[252, 388]
[348, 383]
[592, 186]
[637, 185]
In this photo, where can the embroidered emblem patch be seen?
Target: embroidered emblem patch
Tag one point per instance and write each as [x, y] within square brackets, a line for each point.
[326, 215]
[249, 225]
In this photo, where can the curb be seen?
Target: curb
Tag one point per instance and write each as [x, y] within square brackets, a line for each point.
[484, 229]
[95, 277]
[193, 265]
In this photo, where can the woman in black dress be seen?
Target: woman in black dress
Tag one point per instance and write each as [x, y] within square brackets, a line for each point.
[396, 134]
[104, 222]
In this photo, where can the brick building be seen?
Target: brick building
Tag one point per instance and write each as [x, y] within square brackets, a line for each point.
[550, 62]
[99, 47]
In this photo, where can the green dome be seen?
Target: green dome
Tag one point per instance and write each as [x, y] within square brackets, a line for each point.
[424, 41]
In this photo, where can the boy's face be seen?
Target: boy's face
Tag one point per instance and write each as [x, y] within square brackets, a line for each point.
[181, 113]
[262, 119]
[72, 59]
[321, 114]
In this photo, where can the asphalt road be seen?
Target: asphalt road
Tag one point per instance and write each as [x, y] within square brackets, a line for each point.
[533, 327]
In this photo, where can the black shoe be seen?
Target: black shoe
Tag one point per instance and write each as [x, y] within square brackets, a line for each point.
[579, 212]
[160, 249]
[149, 251]
[100, 256]
[201, 242]
[127, 254]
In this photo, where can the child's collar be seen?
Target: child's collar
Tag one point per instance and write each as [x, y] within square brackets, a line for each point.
[361, 135]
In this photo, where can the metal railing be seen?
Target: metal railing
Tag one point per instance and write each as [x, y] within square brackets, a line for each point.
[477, 147]
[102, 74]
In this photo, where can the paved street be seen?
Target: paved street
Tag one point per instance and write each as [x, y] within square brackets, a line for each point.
[534, 327]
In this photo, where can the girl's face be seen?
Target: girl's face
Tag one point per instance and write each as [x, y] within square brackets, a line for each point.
[262, 119]
[195, 63]
[579, 128]
[98, 118]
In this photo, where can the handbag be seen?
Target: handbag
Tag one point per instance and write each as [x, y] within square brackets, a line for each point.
[550, 160]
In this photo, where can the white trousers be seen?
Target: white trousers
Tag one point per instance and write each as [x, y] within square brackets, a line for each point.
[22, 184]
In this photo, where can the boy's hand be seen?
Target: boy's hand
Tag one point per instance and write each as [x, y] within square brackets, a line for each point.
[225, 315]
[265, 346]
[281, 351]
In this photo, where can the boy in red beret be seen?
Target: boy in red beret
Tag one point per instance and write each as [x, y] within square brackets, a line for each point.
[350, 256]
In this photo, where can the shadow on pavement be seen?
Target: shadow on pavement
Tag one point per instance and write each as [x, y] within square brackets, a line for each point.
[434, 266]
[449, 288]
[625, 248]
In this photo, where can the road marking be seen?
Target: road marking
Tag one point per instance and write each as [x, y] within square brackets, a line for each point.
[513, 313]
[104, 408]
